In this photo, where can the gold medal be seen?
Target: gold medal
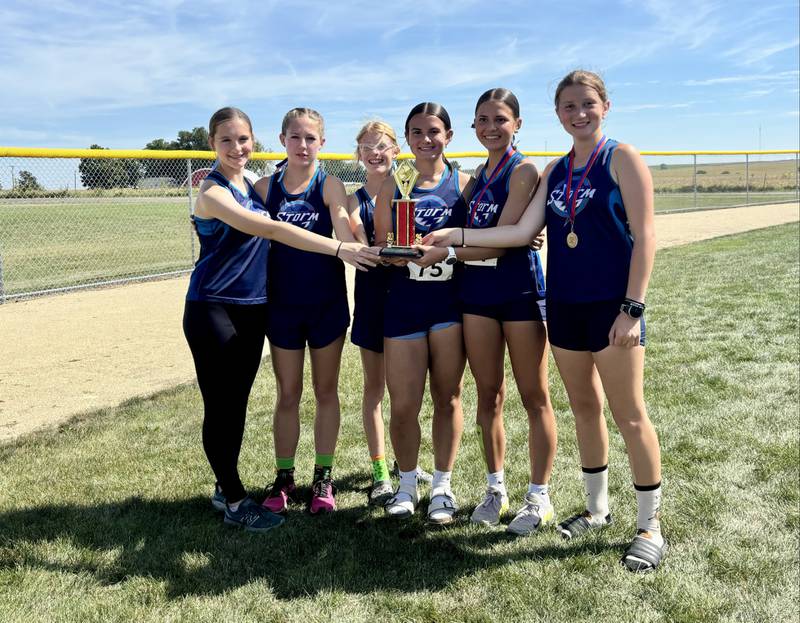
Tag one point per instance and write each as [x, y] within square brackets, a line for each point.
[572, 240]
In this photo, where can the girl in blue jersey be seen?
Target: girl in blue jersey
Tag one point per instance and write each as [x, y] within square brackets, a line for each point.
[422, 323]
[226, 304]
[308, 305]
[503, 303]
[597, 203]
[376, 149]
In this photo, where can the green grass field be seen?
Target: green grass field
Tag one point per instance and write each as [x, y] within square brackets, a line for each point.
[108, 517]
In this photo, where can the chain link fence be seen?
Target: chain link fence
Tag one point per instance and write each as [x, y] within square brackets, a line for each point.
[76, 219]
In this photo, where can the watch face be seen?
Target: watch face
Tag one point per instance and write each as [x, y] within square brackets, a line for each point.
[451, 257]
[633, 311]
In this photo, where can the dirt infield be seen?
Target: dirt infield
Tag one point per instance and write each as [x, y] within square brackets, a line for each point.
[68, 354]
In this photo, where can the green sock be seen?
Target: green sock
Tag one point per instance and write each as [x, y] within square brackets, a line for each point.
[284, 462]
[323, 460]
[380, 471]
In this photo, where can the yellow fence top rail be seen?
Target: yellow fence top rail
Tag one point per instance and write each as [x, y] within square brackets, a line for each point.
[43, 152]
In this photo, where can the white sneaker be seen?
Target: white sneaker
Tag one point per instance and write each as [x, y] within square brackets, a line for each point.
[535, 513]
[443, 506]
[403, 503]
[494, 505]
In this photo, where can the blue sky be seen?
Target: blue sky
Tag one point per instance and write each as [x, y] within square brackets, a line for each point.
[705, 74]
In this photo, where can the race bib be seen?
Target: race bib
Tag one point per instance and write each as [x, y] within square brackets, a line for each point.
[436, 272]
[489, 263]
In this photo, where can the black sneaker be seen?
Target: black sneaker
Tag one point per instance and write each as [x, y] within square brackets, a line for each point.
[252, 517]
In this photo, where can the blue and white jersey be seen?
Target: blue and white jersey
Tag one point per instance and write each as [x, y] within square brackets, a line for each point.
[597, 268]
[296, 276]
[232, 266]
[438, 207]
[519, 271]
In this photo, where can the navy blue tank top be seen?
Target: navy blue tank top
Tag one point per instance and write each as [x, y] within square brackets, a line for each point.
[296, 276]
[366, 210]
[438, 207]
[597, 269]
[519, 271]
[232, 266]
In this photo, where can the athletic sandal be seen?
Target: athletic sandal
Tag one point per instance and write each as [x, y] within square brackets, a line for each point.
[534, 514]
[379, 492]
[493, 507]
[443, 507]
[643, 554]
[403, 503]
[422, 475]
[218, 500]
[580, 524]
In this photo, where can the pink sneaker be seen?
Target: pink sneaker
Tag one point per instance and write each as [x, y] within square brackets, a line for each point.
[322, 496]
[281, 491]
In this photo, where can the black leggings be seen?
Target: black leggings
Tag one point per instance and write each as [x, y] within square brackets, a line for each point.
[226, 342]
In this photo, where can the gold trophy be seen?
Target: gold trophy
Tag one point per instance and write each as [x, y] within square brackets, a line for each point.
[404, 208]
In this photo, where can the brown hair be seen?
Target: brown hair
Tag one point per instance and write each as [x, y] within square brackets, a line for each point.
[501, 95]
[226, 114]
[295, 113]
[584, 78]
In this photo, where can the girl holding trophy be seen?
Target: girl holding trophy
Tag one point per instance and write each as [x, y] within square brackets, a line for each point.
[226, 304]
[376, 149]
[503, 304]
[308, 305]
[597, 203]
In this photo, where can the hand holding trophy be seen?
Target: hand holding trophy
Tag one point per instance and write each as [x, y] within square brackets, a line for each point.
[404, 208]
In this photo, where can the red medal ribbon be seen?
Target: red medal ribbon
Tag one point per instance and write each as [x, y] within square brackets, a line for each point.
[568, 195]
[495, 173]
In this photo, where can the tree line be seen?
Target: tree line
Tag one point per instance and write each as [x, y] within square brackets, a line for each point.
[128, 173]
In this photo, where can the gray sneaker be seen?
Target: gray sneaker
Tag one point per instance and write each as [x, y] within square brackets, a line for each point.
[380, 492]
[493, 507]
[535, 513]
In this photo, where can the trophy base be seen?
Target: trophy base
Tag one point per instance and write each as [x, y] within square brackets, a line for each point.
[400, 252]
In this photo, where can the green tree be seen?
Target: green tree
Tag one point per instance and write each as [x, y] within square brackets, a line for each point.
[195, 139]
[109, 173]
[27, 182]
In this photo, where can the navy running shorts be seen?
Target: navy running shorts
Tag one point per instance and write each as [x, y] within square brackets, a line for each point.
[292, 326]
[583, 326]
[526, 308]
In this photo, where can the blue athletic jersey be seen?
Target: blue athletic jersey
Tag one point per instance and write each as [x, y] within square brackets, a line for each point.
[297, 276]
[597, 269]
[232, 266]
[437, 208]
[519, 271]
[366, 210]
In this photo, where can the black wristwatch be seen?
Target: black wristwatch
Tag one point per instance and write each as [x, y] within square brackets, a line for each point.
[634, 309]
[451, 256]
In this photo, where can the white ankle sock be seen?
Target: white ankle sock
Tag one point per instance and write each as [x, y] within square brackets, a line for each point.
[596, 486]
[543, 491]
[648, 504]
[408, 480]
[497, 479]
[441, 479]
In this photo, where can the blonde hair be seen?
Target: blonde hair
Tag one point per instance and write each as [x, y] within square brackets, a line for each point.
[226, 114]
[583, 78]
[379, 127]
[296, 113]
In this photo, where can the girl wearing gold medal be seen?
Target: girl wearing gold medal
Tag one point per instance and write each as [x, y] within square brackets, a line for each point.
[597, 203]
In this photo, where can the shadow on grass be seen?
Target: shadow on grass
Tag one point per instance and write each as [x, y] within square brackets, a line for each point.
[185, 545]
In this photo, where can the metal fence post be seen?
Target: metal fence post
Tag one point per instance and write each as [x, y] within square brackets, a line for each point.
[189, 181]
[747, 179]
[797, 174]
[694, 169]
